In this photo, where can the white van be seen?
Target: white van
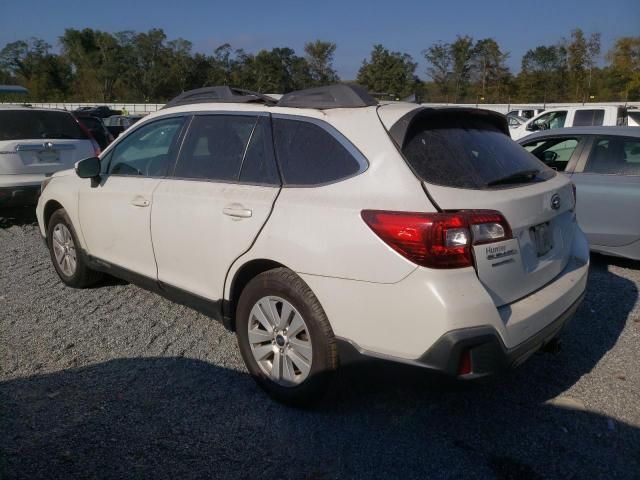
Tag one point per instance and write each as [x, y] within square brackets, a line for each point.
[563, 117]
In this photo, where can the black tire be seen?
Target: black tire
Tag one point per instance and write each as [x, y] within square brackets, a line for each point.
[284, 283]
[83, 276]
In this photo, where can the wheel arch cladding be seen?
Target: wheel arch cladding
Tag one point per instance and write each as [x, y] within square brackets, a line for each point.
[49, 208]
[242, 277]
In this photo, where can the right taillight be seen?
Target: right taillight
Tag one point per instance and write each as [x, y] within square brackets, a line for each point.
[438, 240]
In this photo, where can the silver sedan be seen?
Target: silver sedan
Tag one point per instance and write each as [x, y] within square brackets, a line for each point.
[604, 163]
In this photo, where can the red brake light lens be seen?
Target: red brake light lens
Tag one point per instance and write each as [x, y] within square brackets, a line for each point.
[438, 240]
[96, 147]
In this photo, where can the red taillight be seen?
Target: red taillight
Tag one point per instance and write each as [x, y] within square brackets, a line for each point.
[465, 367]
[96, 146]
[438, 240]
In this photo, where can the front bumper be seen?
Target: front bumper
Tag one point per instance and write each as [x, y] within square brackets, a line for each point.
[19, 195]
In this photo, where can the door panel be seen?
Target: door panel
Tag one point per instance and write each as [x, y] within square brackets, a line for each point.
[115, 215]
[115, 221]
[608, 191]
[224, 186]
[199, 228]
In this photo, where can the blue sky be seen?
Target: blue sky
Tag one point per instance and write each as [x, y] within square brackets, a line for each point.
[407, 26]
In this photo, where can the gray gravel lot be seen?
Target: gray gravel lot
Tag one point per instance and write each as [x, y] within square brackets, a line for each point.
[116, 382]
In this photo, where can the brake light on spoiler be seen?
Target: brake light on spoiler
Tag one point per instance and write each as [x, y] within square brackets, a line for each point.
[438, 240]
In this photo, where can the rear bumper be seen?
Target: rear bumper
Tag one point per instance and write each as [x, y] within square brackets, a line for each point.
[489, 355]
[19, 195]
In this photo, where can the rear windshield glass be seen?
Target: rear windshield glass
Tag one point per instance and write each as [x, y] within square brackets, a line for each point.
[36, 124]
[457, 151]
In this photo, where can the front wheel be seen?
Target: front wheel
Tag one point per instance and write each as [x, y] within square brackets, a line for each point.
[285, 338]
[65, 253]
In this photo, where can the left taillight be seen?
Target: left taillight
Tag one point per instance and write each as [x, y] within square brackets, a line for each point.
[96, 146]
[438, 240]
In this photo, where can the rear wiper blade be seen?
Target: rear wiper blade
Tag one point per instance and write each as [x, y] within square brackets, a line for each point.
[517, 177]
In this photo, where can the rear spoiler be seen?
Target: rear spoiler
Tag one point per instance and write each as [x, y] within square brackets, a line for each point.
[458, 116]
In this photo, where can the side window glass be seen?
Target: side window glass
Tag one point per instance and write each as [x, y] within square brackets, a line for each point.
[259, 164]
[551, 120]
[214, 147]
[310, 155]
[587, 118]
[555, 152]
[146, 151]
[614, 156]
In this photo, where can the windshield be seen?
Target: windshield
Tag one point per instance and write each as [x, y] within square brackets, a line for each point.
[37, 124]
[468, 153]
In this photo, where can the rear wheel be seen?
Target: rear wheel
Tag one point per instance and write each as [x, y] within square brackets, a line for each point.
[65, 254]
[285, 338]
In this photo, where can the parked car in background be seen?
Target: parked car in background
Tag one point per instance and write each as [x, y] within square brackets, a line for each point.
[604, 164]
[419, 235]
[98, 111]
[515, 122]
[526, 113]
[119, 123]
[35, 143]
[97, 129]
[565, 117]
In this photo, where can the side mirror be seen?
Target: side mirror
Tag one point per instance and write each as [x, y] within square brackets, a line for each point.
[532, 127]
[88, 168]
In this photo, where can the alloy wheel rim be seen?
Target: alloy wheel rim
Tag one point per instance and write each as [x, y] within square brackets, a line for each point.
[64, 249]
[280, 341]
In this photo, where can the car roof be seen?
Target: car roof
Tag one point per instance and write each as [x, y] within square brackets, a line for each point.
[30, 108]
[556, 132]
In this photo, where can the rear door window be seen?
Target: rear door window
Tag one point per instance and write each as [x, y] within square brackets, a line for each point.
[588, 118]
[462, 152]
[553, 152]
[259, 164]
[39, 124]
[614, 156]
[310, 155]
[214, 147]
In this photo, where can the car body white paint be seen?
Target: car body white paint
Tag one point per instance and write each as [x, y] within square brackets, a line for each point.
[374, 297]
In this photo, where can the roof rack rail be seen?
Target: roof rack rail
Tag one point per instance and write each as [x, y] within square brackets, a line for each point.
[219, 94]
[330, 96]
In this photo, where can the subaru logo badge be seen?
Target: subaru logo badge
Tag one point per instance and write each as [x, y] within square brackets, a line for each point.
[555, 201]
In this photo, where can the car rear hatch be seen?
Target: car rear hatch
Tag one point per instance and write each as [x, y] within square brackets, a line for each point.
[40, 142]
[467, 161]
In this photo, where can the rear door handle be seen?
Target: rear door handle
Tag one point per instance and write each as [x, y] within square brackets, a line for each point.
[237, 212]
[140, 202]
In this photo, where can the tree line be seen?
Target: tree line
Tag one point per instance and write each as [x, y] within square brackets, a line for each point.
[93, 65]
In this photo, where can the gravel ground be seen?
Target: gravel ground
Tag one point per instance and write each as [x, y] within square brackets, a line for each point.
[116, 382]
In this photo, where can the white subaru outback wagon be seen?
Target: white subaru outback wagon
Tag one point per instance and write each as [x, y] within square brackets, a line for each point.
[325, 220]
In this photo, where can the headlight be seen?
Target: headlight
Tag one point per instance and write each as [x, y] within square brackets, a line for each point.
[44, 184]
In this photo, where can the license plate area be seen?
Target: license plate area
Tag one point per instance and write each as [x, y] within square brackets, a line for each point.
[542, 237]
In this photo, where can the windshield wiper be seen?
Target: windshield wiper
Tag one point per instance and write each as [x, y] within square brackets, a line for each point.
[523, 176]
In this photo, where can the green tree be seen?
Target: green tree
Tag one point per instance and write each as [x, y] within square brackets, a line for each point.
[440, 60]
[491, 72]
[461, 55]
[28, 62]
[319, 57]
[624, 67]
[388, 72]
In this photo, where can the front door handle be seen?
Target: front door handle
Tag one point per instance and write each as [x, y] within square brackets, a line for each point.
[237, 212]
[140, 201]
